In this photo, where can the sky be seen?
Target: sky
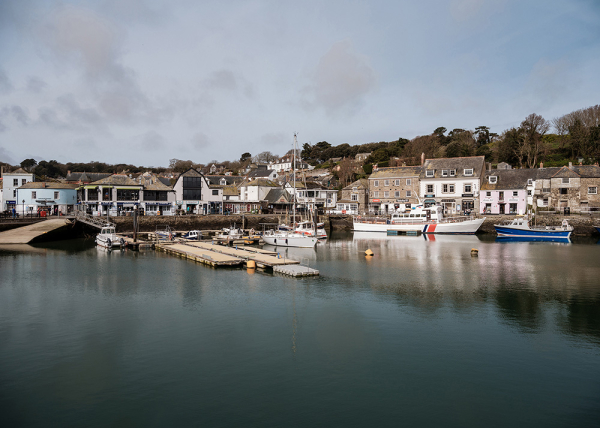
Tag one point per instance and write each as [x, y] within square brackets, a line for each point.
[143, 82]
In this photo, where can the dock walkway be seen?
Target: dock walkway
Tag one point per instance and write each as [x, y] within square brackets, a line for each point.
[200, 255]
[262, 259]
[26, 234]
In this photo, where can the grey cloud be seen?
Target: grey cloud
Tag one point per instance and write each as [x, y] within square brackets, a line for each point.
[20, 115]
[276, 139]
[152, 141]
[341, 80]
[227, 80]
[200, 141]
[5, 84]
[6, 156]
[35, 84]
[2, 126]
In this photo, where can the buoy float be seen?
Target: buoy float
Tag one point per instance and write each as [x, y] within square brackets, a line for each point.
[474, 252]
[251, 264]
[369, 253]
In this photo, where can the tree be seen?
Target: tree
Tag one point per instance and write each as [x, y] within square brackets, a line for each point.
[178, 165]
[346, 171]
[534, 127]
[483, 135]
[245, 157]
[265, 157]
[28, 164]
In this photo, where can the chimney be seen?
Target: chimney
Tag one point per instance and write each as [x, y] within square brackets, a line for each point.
[374, 167]
[422, 158]
[68, 172]
[541, 165]
[403, 163]
[570, 164]
[488, 166]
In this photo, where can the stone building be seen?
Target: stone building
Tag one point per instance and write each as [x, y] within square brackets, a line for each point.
[572, 187]
[394, 188]
[354, 198]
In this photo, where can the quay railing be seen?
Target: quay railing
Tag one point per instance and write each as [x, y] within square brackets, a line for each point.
[90, 220]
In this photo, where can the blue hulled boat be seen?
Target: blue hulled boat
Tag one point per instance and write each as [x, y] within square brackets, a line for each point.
[519, 227]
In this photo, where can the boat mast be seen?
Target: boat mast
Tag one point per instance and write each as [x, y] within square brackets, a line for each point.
[294, 174]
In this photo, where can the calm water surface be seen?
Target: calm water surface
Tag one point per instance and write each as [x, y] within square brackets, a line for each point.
[422, 334]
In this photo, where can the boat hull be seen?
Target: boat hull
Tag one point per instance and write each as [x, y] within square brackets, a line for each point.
[531, 233]
[108, 242]
[291, 240]
[462, 227]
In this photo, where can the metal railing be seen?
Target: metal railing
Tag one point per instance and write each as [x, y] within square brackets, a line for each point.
[90, 220]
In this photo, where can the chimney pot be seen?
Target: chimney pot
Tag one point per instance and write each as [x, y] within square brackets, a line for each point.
[570, 164]
[541, 165]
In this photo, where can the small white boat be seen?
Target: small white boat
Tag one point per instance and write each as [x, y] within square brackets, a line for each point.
[193, 235]
[230, 234]
[308, 228]
[288, 239]
[108, 238]
[165, 234]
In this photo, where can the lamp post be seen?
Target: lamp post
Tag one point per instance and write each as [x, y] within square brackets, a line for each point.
[23, 208]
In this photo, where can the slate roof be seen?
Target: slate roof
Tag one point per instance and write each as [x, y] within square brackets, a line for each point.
[87, 176]
[117, 180]
[215, 180]
[153, 183]
[587, 171]
[278, 196]
[256, 173]
[360, 183]
[396, 171]
[191, 173]
[19, 171]
[48, 185]
[259, 182]
[459, 164]
[231, 191]
[508, 179]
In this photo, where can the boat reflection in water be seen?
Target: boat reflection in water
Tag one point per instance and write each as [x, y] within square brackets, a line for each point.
[507, 239]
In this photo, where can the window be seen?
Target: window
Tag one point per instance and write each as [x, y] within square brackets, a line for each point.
[530, 182]
[123, 195]
[564, 191]
[565, 180]
[529, 193]
[515, 194]
[493, 179]
[386, 194]
[545, 202]
[23, 181]
[444, 188]
[56, 195]
[408, 181]
[545, 190]
[468, 172]
[452, 172]
[396, 182]
[488, 194]
[14, 193]
[408, 193]
[592, 190]
[444, 173]
[376, 183]
[215, 192]
[386, 183]
[429, 173]
[397, 194]
[354, 197]
[430, 188]
[501, 196]
[451, 188]
[468, 188]
[15, 181]
[376, 194]
[33, 194]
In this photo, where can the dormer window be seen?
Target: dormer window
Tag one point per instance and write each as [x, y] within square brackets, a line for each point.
[429, 173]
[529, 182]
[223, 182]
[493, 179]
[469, 172]
[444, 173]
[452, 172]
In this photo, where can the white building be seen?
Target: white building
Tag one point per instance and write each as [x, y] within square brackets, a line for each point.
[11, 182]
[194, 195]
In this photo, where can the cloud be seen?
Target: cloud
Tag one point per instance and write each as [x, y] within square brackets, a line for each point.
[35, 84]
[276, 139]
[6, 156]
[5, 84]
[200, 141]
[341, 80]
[153, 141]
[13, 113]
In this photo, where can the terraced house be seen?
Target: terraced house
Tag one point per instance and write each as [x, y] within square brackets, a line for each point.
[574, 188]
[394, 188]
[453, 183]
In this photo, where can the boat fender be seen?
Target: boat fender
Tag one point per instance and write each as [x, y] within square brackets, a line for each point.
[286, 241]
[474, 252]
[369, 252]
[275, 240]
[122, 242]
[108, 242]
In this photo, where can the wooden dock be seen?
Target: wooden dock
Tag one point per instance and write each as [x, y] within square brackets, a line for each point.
[263, 258]
[200, 255]
[296, 270]
[27, 234]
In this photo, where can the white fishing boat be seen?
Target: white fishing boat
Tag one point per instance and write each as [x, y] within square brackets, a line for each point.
[230, 233]
[308, 228]
[425, 220]
[108, 238]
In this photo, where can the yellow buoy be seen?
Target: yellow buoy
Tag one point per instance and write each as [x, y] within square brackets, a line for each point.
[251, 264]
[474, 252]
[369, 253]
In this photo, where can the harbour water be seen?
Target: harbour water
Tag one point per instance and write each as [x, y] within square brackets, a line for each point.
[421, 334]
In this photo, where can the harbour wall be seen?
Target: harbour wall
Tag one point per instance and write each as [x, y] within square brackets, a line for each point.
[583, 225]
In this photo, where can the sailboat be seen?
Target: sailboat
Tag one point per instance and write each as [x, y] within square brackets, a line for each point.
[288, 238]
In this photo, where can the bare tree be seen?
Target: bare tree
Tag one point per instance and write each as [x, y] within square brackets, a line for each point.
[346, 170]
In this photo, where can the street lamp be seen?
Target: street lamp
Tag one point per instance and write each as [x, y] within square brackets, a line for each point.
[23, 208]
